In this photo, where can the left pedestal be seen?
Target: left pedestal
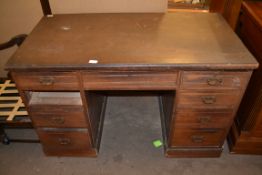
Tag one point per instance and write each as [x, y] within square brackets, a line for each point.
[56, 108]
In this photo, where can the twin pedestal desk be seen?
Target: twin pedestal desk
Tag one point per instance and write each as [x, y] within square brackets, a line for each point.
[194, 62]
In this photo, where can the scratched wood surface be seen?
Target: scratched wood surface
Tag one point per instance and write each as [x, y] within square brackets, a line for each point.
[177, 40]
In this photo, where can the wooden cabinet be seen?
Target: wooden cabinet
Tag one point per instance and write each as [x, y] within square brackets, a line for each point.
[199, 90]
[246, 134]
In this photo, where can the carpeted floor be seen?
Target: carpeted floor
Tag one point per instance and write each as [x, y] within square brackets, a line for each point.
[131, 124]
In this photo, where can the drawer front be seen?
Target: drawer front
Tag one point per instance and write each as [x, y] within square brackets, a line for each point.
[59, 120]
[46, 80]
[203, 119]
[55, 108]
[129, 80]
[185, 137]
[208, 100]
[214, 80]
[64, 139]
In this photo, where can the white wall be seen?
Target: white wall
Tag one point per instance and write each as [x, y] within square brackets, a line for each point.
[103, 6]
[16, 17]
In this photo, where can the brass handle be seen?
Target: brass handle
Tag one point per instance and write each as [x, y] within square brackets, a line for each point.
[209, 99]
[214, 81]
[64, 141]
[197, 139]
[58, 120]
[204, 119]
[47, 81]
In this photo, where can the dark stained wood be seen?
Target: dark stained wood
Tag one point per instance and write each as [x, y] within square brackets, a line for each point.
[44, 108]
[47, 80]
[193, 152]
[217, 6]
[96, 102]
[65, 142]
[251, 33]
[199, 137]
[214, 80]
[201, 40]
[166, 104]
[86, 111]
[245, 135]
[62, 120]
[46, 7]
[207, 100]
[203, 119]
[231, 12]
[130, 80]
[201, 134]
[17, 40]
[253, 10]
[251, 36]
[138, 52]
[243, 142]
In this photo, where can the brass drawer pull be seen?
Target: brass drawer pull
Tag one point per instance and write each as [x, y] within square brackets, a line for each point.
[197, 139]
[209, 99]
[46, 81]
[64, 141]
[204, 119]
[58, 120]
[214, 81]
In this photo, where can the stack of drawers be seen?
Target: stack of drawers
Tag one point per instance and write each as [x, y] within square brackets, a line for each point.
[68, 115]
[204, 111]
[55, 107]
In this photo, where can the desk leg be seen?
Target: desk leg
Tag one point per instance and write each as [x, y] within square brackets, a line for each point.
[3, 136]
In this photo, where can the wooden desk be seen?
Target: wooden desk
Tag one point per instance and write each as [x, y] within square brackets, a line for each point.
[194, 62]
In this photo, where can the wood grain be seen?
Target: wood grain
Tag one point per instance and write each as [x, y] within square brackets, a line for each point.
[245, 135]
[193, 61]
[173, 40]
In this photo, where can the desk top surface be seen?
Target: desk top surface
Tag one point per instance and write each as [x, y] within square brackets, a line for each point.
[179, 40]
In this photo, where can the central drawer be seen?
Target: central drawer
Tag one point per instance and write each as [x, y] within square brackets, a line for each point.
[128, 80]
